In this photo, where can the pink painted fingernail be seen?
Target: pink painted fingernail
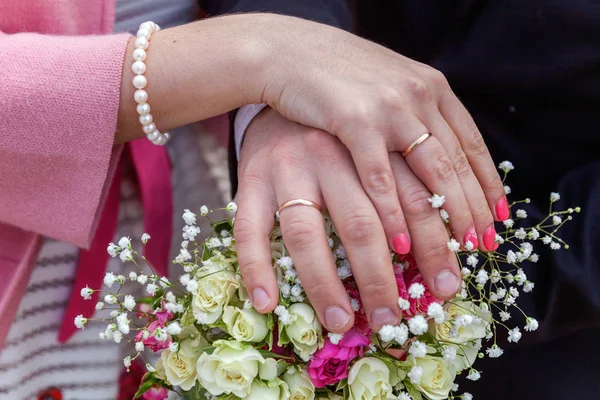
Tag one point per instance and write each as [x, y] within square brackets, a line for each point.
[401, 243]
[489, 238]
[336, 317]
[446, 283]
[260, 299]
[471, 236]
[502, 211]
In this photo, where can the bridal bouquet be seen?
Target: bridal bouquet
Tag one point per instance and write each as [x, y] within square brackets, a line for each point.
[210, 342]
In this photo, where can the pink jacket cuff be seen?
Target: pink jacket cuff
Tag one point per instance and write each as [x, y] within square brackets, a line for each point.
[58, 117]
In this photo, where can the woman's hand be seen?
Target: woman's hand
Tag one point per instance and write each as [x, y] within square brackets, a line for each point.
[378, 103]
[282, 160]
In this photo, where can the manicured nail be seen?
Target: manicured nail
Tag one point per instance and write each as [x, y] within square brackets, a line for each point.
[336, 317]
[471, 236]
[489, 238]
[502, 211]
[446, 283]
[401, 243]
[260, 299]
[383, 316]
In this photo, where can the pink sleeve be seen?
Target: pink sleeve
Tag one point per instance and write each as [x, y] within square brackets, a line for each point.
[59, 101]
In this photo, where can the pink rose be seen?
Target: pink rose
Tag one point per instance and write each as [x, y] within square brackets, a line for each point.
[152, 343]
[417, 306]
[330, 364]
[156, 393]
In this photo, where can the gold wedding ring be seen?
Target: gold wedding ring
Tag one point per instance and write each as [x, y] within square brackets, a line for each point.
[299, 202]
[414, 144]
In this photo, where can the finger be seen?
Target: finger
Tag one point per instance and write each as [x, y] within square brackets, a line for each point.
[363, 238]
[482, 216]
[477, 153]
[304, 235]
[431, 164]
[436, 262]
[371, 159]
[253, 225]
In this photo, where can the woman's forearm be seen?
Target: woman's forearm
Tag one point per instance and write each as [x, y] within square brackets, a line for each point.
[194, 72]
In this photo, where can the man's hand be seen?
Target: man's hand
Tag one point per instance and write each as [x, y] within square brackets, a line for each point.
[281, 161]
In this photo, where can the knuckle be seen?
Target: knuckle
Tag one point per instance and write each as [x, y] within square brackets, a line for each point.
[250, 268]
[318, 289]
[418, 88]
[442, 169]
[354, 114]
[389, 97]
[375, 285]
[415, 201]
[438, 79]
[461, 165]
[322, 145]
[482, 215]
[358, 227]
[243, 229]
[299, 233]
[436, 252]
[380, 180]
[474, 144]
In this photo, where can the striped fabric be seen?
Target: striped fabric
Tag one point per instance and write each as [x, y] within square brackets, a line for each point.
[87, 368]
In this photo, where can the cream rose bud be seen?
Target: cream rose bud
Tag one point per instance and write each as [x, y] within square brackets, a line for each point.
[369, 378]
[305, 330]
[437, 378]
[180, 367]
[451, 332]
[272, 390]
[299, 383]
[245, 325]
[267, 371]
[231, 368]
[214, 292]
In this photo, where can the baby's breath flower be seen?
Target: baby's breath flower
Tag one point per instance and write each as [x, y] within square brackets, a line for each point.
[474, 375]
[508, 223]
[86, 293]
[546, 239]
[507, 189]
[401, 334]
[110, 299]
[418, 349]
[514, 335]
[528, 287]
[554, 197]
[129, 302]
[511, 257]
[356, 305]
[415, 374]
[482, 276]
[190, 232]
[117, 337]
[498, 239]
[472, 260]
[494, 351]
[404, 396]
[453, 245]
[99, 306]
[403, 303]
[231, 207]
[555, 246]
[285, 318]
[416, 290]
[504, 316]
[174, 328]
[127, 362]
[466, 396]
[151, 289]
[533, 234]
[531, 324]
[125, 255]
[109, 279]
[80, 321]
[520, 234]
[386, 333]
[189, 217]
[145, 238]
[445, 216]
[125, 242]
[417, 325]
[449, 353]
[204, 211]
[173, 347]
[113, 249]
[437, 201]
[335, 337]
[465, 271]
[521, 213]
[556, 220]
[506, 166]
[469, 245]
[192, 286]
[139, 346]
[142, 279]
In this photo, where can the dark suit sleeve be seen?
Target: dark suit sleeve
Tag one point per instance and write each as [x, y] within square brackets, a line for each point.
[331, 12]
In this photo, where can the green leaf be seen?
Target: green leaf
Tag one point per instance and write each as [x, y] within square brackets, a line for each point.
[270, 354]
[147, 383]
[270, 322]
[412, 391]
[341, 385]
[269, 340]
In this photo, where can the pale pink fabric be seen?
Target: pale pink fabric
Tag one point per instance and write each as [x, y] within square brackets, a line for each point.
[58, 114]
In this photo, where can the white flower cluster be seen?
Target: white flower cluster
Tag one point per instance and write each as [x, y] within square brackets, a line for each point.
[290, 285]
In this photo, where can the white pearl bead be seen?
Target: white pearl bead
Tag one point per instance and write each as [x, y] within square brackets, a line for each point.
[156, 27]
[139, 54]
[138, 67]
[148, 129]
[140, 96]
[167, 136]
[143, 108]
[140, 81]
[146, 119]
[147, 25]
[152, 136]
[144, 32]
[160, 141]
[141, 43]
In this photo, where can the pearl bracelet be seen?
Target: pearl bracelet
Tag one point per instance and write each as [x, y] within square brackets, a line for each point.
[139, 82]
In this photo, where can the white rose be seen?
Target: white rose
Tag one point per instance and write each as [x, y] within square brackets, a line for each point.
[330, 396]
[369, 378]
[300, 385]
[268, 370]
[213, 293]
[305, 330]
[231, 368]
[272, 390]
[448, 332]
[180, 367]
[246, 325]
[437, 378]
